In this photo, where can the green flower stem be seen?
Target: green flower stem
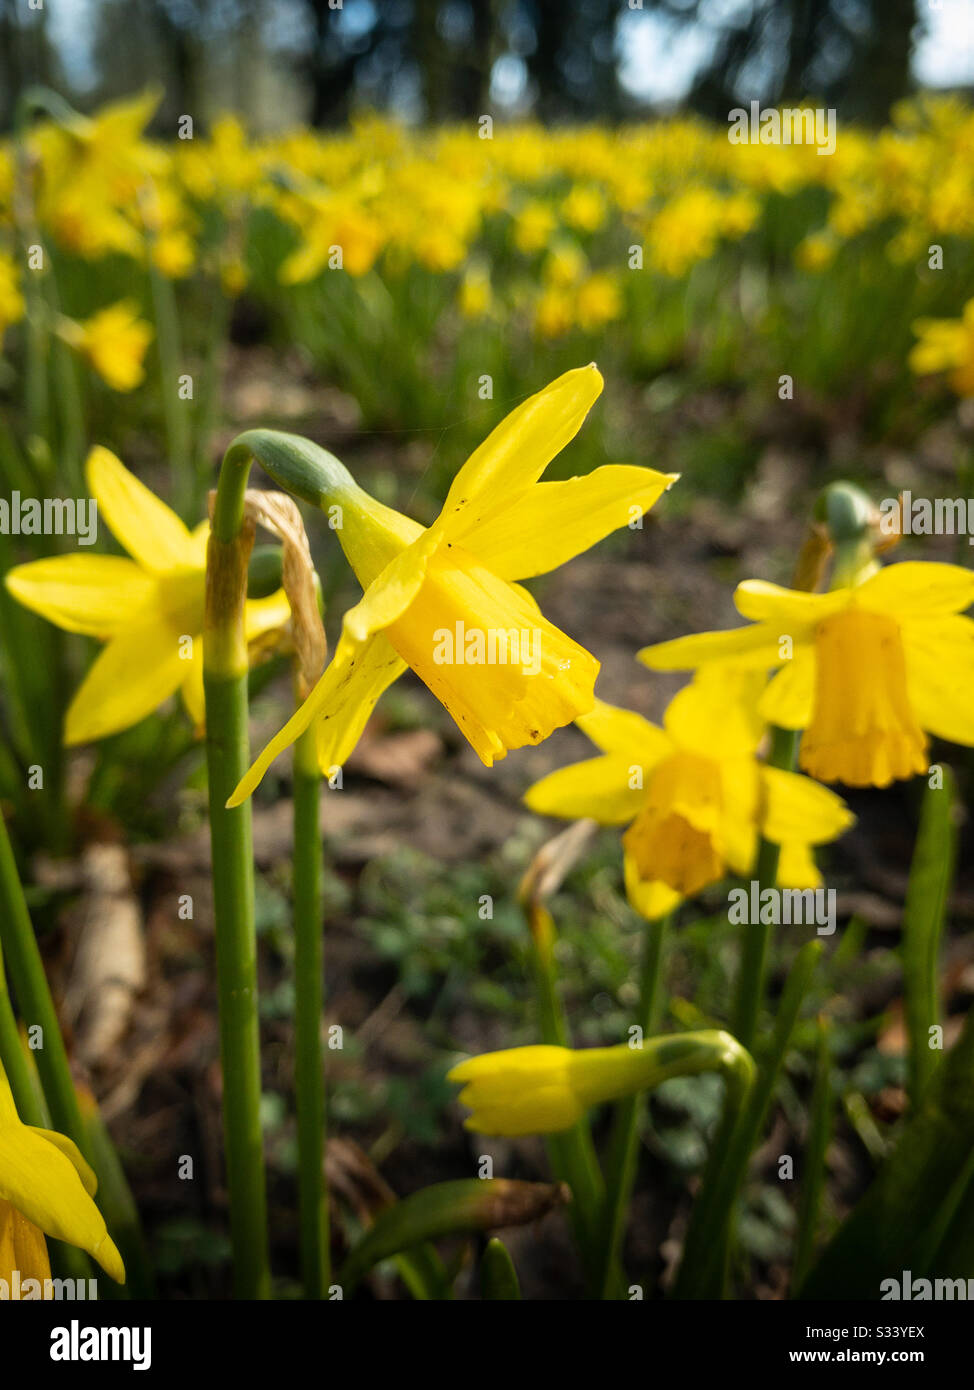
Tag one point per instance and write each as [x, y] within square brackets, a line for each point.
[36, 1005]
[706, 1252]
[228, 755]
[309, 1002]
[15, 1064]
[571, 1153]
[312, 474]
[757, 941]
[621, 1166]
[171, 367]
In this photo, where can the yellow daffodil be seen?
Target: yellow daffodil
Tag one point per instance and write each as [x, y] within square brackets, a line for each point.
[867, 671]
[147, 609]
[543, 1089]
[442, 600]
[11, 299]
[46, 1188]
[475, 293]
[694, 794]
[947, 345]
[114, 342]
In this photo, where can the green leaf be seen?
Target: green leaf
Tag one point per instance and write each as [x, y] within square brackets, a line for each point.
[470, 1206]
[706, 1252]
[813, 1178]
[919, 1213]
[498, 1277]
[931, 874]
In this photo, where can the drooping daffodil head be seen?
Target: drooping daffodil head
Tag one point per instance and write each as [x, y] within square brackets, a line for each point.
[694, 794]
[46, 1189]
[543, 1089]
[444, 600]
[146, 607]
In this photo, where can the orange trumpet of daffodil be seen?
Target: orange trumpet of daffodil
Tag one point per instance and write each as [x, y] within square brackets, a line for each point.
[455, 580]
[148, 609]
[694, 794]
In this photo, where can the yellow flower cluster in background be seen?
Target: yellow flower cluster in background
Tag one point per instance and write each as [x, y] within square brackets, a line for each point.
[560, 209]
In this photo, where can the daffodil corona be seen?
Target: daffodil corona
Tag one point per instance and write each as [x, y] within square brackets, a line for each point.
[455, 579]
[694, 794]
[46, 1188]
[867, 671]
[147, 609]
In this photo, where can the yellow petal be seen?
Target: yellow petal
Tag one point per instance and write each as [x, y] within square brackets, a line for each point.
[757, 647]
[136, 672]
[800, 811]
[791, 612]
[542, 528]
[598, 788]
[388, 597]
[343, 699]
[522, 1090]
[797, 867]
[71, 1151]
[200, 536]
[716, 714]
[192, 690]
[940, 676]
[92, 594]
[516, 453]
[790, 695]
[354, 697]
[918, 587]
[139, 520]
[616, 730]
[262, 615]
[42, 1183]
[651, 899]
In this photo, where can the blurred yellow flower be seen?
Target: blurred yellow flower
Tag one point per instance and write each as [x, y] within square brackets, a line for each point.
[534, 227]
[584, 209]
[114, 341]
[11, 299]
[475, 293]
[947, 345]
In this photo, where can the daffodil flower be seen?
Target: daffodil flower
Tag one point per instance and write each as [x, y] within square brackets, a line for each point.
[455, 579]
[544, 1089]
[694, 794]
[46, 1188]
[947, 345]
[867, 671]
[113, 341]
[147, 609]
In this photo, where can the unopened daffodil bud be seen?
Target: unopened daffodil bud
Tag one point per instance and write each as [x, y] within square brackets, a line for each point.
[543, 1089]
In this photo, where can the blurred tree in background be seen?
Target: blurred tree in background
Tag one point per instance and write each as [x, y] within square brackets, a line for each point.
[281, 61]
